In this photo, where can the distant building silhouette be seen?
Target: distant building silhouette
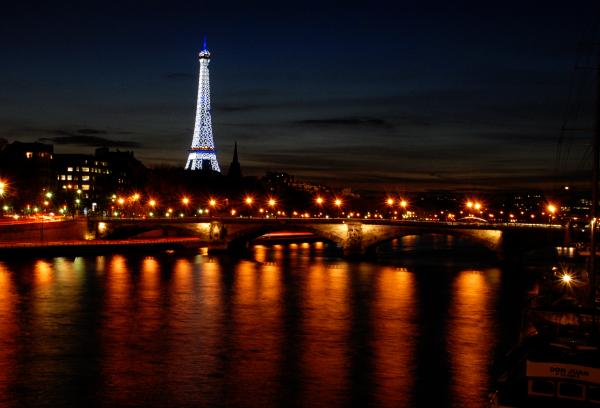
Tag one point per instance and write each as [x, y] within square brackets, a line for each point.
[235, 170]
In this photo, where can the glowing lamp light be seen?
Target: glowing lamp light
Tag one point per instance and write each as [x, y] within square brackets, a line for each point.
[390, 201]
[319, 200]
[249, 200]
[272, 202]
[403, 203]
[212, 202]
[2, 187]
[338, 202]
[121, 201]
[470, 204]
[185, 201]
[551, 208]
[477, 206]
[566, 278]
[152, 203]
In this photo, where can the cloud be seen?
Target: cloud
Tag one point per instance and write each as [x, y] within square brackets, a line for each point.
[91, 131]
[238, 107]
[180, 76]
[90, 141]
[346, 121]
[85, 137]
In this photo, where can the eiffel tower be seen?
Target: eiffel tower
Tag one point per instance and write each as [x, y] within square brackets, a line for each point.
[202, 153]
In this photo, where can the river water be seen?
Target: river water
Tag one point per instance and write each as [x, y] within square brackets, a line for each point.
[288, 325]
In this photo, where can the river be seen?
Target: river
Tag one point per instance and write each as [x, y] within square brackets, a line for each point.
[287, 325]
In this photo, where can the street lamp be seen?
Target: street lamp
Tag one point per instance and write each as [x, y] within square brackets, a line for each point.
[212, 203]
[338, 203]
[551, 210]
[272, 203]
[2, 187]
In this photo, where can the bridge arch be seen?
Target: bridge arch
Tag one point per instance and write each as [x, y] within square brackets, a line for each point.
[488, 239]
[240, 237]
[127, 231]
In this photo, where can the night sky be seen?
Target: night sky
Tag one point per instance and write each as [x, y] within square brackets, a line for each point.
[380, 95]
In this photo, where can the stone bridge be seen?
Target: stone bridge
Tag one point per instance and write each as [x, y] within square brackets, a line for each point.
[356, 237]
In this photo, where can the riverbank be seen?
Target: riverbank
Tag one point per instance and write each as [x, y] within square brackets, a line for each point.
[10, 249]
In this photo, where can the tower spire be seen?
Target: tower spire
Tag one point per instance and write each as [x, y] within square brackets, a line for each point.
[202, 152]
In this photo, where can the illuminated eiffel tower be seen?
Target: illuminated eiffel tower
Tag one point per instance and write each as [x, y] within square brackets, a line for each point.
[202, 153]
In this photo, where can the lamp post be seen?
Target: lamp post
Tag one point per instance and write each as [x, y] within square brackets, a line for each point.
[338, 203]
[272, 203]
[213, 204]
[185, 201]
[249, 201]
[551, 210]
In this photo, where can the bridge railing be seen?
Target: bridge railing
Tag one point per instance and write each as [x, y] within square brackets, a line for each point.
[305, 220]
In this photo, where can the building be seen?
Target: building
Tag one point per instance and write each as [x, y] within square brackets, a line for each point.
[95, 178]
[82, 172]
[27, 170]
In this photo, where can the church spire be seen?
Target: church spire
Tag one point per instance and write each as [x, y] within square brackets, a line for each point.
[235, 170]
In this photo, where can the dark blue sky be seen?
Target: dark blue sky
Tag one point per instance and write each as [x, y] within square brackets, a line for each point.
[386, 95]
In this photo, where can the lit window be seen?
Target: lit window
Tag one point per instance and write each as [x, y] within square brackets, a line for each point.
[85, 187]
[85, 169]
[85, 178]
[63, 177]
[69, 168]
[65, 187]
[69, 177]
[29, 155]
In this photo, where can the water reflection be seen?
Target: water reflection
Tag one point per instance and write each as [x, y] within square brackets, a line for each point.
[325, 327]
[471, 336]
[396, 333]
[288, 327]
[8, 333]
